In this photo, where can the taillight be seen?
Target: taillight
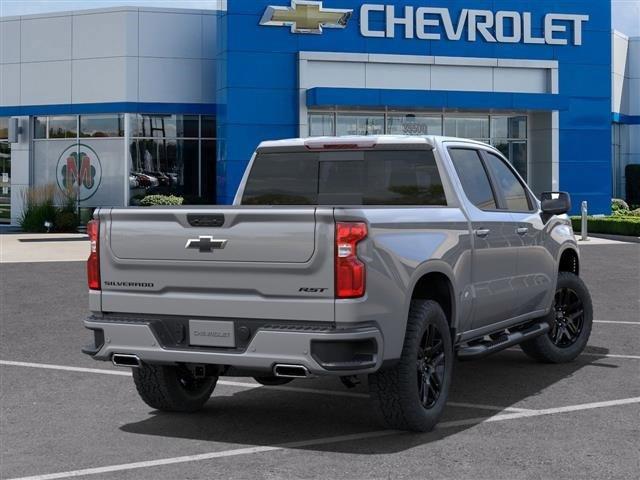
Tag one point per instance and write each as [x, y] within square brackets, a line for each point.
[93, 263]
[350, 271]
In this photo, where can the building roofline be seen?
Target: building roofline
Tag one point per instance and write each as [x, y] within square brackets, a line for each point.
[115, 9]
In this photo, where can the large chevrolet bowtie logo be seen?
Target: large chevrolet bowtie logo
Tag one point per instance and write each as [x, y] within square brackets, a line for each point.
[205, 244]
[304, 16]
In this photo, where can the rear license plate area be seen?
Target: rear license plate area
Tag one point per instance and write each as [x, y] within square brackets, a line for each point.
[204, 333]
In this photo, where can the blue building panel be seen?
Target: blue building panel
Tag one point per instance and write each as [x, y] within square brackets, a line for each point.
[259, 99]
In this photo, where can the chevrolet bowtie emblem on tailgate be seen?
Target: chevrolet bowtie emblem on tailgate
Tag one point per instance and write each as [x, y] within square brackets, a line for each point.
[206, 244]
[305, 16]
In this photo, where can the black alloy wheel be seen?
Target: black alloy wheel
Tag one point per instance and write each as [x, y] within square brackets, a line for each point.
[569, 318]
[430, 366]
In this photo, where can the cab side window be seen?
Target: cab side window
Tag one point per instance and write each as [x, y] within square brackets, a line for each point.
[473, 177]
[513, 193]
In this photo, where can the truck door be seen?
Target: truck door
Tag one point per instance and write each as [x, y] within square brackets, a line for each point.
[535, 264]
[495, 256]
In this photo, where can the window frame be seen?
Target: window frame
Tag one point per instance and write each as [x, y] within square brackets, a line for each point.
[450, 200]
[502, 202]
[496, 198]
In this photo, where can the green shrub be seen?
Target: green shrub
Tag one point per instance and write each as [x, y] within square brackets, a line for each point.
[619, 205]
[167, 200]
[614, 225]
[38, 208]
[47, 204]
[627, 213]
[66, 221]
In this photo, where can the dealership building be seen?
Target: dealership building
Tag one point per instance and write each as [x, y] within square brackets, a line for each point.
[125, 102]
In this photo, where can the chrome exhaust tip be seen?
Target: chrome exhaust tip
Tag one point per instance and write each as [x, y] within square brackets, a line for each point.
[125, 360]
[290, 371]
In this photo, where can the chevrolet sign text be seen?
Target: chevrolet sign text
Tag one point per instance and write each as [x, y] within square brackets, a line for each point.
[434, 23]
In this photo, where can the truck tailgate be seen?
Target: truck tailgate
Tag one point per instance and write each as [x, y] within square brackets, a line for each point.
[228, 262]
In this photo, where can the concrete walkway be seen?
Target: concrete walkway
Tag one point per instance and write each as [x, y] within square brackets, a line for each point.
[57, 247]
[27, 248]
[601, 241]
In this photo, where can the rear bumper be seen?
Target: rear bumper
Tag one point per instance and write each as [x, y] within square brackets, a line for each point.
[268, 347]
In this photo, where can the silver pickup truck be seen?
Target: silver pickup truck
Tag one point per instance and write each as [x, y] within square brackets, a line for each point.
[383, 256]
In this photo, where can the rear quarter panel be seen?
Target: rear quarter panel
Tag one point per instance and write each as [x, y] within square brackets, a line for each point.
[403, 245]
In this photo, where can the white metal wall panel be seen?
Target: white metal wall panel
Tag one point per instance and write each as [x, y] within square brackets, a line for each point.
[10, 41]
[120, 54]
[209, 73]
[398, 76]
[334, 74]
[521, 80]
[10, 84]
[462, 78]
[409, 72]
[112, 34]
[209, 36]
[45, 83]
[98, 80]
[634, 58]
[176, 80]
[170, 35]
[46, 39]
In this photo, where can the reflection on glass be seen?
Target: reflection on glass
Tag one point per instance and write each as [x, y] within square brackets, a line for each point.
[414, 125]
[467, 127]
[516, 152]
[63, 127]
[499, 127]
[512, 190]
[4, 127]
[102, 126]
[187, 126]
[321, 124]
[154, 126]
[360, 124]
[208, 171]
[40, 127]
[209, 126]
[164, 167]
[5, 182]
[518, 127]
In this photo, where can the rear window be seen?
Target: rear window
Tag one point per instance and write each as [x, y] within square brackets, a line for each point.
[345, 178]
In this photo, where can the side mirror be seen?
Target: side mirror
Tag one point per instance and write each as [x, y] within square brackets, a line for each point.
[555, 203]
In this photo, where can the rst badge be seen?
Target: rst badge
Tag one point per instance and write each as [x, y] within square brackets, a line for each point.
[305, 16]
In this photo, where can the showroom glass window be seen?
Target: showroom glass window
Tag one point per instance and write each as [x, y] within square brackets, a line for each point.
[5, 171]
[81, 155]
[506, 132]
[173, 155]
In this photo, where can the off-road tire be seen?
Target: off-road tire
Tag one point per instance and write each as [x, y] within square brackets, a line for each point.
[543, 348]
[172, 388]
[395, 391]
[272, 381]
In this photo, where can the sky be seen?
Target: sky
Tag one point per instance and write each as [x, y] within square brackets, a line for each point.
[626, 13]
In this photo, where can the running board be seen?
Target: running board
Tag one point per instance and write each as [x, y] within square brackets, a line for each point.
[487, 347]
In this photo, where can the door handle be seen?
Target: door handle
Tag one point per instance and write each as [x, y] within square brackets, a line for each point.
[482, 232]
[522, 230]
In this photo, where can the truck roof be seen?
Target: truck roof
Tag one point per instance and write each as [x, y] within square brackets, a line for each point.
[363, 141]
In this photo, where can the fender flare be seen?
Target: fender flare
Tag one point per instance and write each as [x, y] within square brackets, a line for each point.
[434, 266]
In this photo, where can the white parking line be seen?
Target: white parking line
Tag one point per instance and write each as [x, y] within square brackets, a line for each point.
[65, 368]
[323, 441]
[616, 322]
[230, 383]
[587, 354]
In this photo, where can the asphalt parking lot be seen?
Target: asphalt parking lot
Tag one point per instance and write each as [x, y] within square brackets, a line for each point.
[64, 415]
